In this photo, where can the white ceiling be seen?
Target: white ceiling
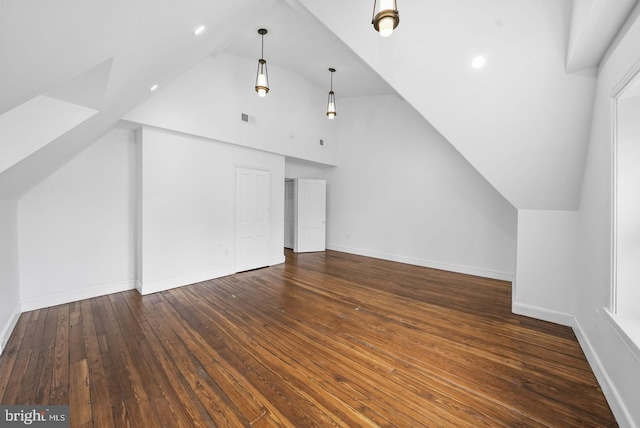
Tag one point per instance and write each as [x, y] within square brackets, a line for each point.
[594, 24]
[104, 54]
[522, 121]
[297, 41]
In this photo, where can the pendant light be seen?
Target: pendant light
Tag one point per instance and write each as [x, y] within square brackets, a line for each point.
[385, 16]
[262, 78]
[331, 103]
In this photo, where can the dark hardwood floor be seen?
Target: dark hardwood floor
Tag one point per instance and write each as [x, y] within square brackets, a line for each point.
[327, 339]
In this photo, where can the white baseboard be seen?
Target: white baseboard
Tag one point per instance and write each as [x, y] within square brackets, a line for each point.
[614, 400]
[485, 273]
[543, 314]
[145, 288]
[75, 295]
[623, 417]
[7, 329]
[277, 260]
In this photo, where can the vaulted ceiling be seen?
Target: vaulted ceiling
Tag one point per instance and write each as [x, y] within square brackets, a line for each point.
[522, 120]
[75, 67]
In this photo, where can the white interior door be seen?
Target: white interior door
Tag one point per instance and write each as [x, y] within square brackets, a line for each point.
[289, 214]
[253, 193]
[310, 215]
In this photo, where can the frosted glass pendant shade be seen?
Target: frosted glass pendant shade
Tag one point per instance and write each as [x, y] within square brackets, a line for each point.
[331, 106]
[262, 77]
[385, 16]
[331, 102]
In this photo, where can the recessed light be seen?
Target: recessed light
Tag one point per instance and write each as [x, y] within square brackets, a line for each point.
[198, 30]
[153, 88]
[478, 62]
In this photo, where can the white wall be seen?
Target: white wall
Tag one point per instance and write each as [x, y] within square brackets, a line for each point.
[188, 208]
[546, 276]
[208, 101]
[296, 168]
[521, 120]
[617, 368]
[76, 228]
[402, 192]
[9, 279]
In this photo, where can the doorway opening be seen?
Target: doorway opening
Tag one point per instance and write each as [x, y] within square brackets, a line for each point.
[305, 215]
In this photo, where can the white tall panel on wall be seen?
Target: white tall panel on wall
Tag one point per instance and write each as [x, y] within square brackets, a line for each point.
[77, 227]
[188, 208]
[310, 218]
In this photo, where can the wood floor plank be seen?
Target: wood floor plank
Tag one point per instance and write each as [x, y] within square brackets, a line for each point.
[154, 386]
[125, 370]
[15, 392]
[195, 355]
[189, 410]
[300, 328]
[241, 359]
[27, 390]
[46, 358]
[162, 392]
[79, 394]
[59, 393]
[10, 355]
[366, 371]
[101, 405]
[252, 341]
[326, 339]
